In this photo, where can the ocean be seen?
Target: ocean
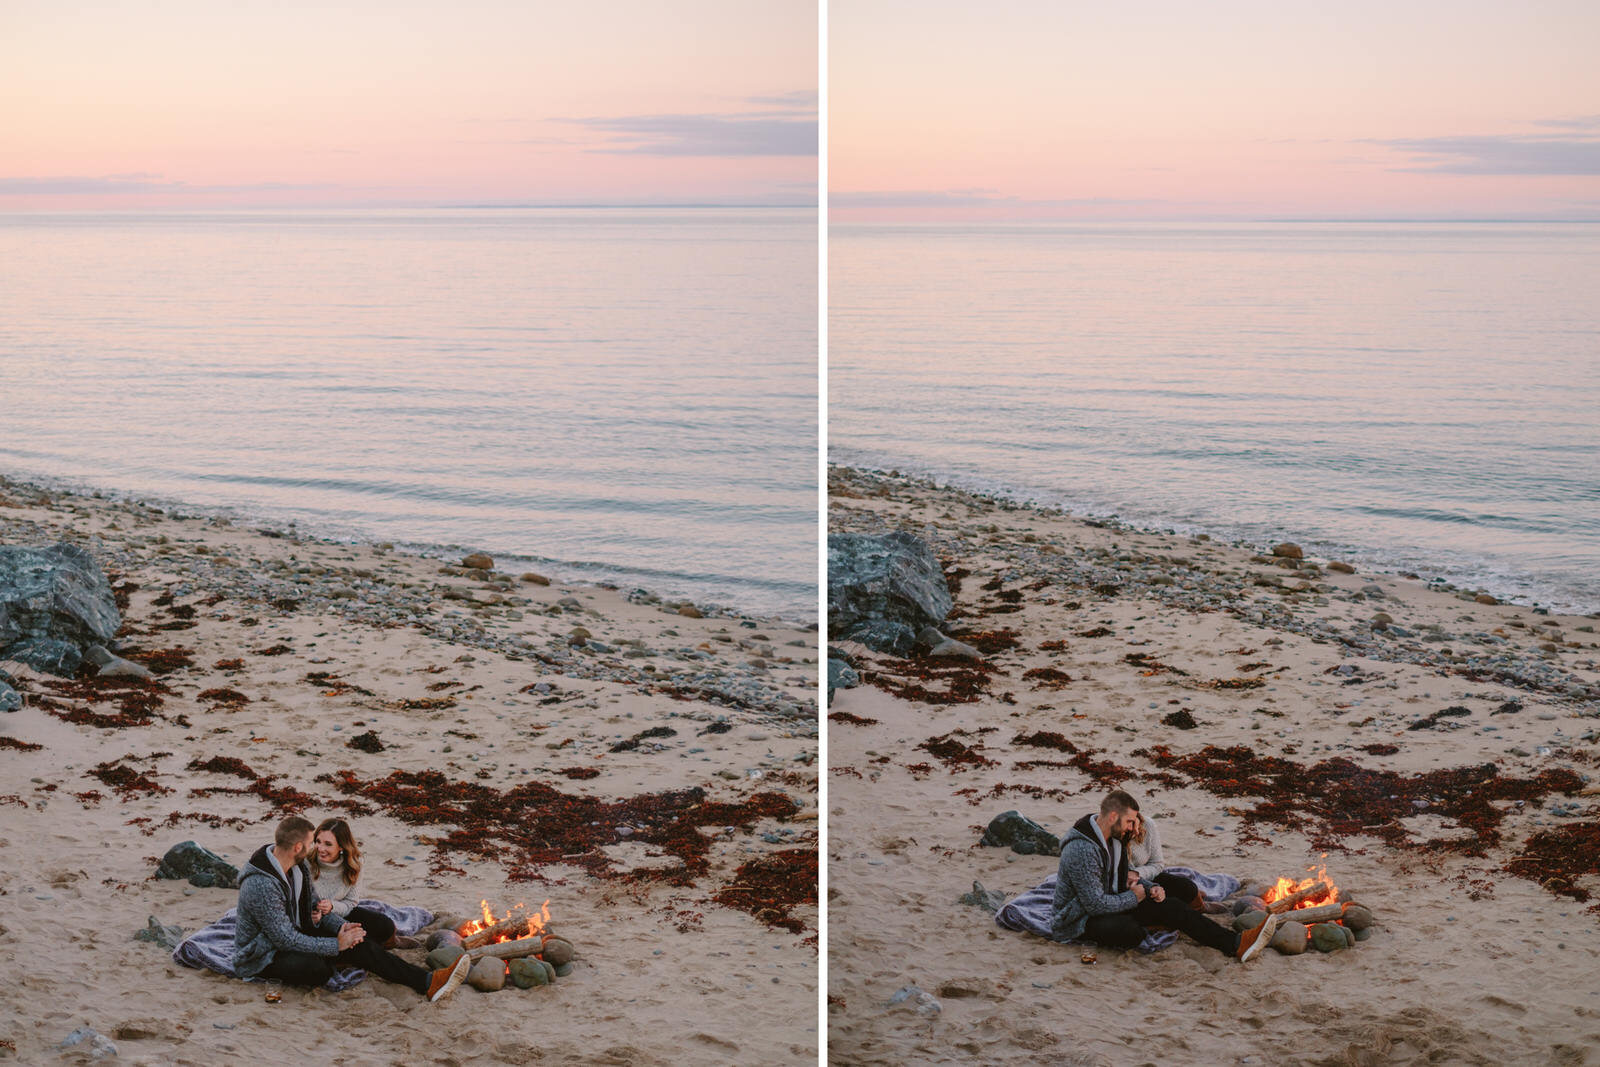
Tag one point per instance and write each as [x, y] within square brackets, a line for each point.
[618, 395]
[1407, 396]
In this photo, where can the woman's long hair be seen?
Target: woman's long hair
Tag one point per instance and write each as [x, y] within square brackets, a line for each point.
[347, 846]
[1136, 837]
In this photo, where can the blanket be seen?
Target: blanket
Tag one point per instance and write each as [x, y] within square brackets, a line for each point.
[1030, 912]
[211, 947]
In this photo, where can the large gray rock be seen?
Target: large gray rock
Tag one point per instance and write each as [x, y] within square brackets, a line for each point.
[841, 676]
[200, 866]
[10, 699]
[883, 589]
[1014, 830]
[54, 603]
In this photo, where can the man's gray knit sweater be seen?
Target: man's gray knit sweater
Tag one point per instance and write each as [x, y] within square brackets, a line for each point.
[1086, 881]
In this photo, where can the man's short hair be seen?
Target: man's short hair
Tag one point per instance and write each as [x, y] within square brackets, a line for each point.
[293, 830]
[1118, 801]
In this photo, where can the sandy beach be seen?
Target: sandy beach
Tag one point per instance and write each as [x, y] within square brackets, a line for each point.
[1274, 714]
[674, 756]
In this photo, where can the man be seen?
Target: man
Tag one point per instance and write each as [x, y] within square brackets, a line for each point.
[1099, 899]
[285, 932]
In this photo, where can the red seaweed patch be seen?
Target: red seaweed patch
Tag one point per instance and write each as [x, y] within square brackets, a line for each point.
[954, 754]
[1047, 678]
[1336, 799]
[988, 642]
[223, 697]
[161, 660]
[137, 701]
[533, 824]
[1557, 858]
[20, 746]
[770, 887]
[126, 782]
[966, 682]
[853, 720]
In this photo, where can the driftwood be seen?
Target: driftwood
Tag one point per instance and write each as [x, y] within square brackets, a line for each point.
[1318, 914]
[1317, 890]
[516, 924]
[508, 950]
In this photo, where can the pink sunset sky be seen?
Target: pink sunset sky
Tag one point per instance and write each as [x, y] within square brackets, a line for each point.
[1161, 109]
[198, 104]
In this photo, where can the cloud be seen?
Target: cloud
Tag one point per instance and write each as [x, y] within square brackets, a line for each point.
[1577, 151]
[785, 125]
[110, 184]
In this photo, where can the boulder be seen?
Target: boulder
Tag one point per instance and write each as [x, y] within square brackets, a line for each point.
[200, 866]
[1329, 937]
[442, 937]
[487, 975]
[10, 699]
[111, 666]
[1014, 830]
[527, 973]
[54, 603]
[445, 956]
[940, 645]
[1357, 917]
[1288, 550]
[556, 951]
[478, 561]
[1290, 938]
[883, 589]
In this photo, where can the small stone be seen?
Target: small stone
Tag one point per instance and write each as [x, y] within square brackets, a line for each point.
[1362, 935]
[97, 1045]
[441, 937]
[165, 936]
[10, 699]
[689, 611]
[1290, 938]
[1484, 598]
[1248, 903]
[557, 951]
[1288, 550]
[1341, 567]
[445, 956]
[1357, 917]
[527, 973]
[1328, 937]
[487, 975]
[563, 970]
[990, 900]
[535, 579]
[1381, 620]
[479, 561]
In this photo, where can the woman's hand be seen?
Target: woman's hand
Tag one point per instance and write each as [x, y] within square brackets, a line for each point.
[323, 907]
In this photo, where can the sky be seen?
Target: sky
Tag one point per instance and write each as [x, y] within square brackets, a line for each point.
[200, 105]
[1170, 109]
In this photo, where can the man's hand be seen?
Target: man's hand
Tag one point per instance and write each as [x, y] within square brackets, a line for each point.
[1133, 879]
[1138, 891]
[322, 909]
[351, 935]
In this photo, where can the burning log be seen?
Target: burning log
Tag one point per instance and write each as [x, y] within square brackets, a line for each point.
[1316, 889]
[511, 927]
[1320, 913]
[508, 950]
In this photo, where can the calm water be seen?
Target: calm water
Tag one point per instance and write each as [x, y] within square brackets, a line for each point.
[624, 395]
[1408, 396]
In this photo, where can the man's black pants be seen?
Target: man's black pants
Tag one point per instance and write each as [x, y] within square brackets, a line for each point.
[1126, 929]
[309, 969]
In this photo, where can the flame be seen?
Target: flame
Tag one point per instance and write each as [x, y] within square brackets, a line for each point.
[1288, 887]
[536, 921]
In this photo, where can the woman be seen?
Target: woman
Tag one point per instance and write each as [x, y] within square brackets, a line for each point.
[336, 874]
[1146, 861]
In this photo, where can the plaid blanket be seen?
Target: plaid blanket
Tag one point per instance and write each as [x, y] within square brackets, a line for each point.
[211, 947]
[1030, 912]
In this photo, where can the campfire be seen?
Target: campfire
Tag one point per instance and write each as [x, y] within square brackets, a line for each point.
[516, 945]
[1315, 910]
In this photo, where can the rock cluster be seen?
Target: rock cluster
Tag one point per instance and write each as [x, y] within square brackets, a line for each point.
[55, 604]
[883, 590]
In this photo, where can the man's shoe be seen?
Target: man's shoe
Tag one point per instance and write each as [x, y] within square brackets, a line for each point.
[445, 979]
[1251, 942]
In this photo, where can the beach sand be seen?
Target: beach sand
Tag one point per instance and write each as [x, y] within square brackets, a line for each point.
[288, 647]
[1468, 963]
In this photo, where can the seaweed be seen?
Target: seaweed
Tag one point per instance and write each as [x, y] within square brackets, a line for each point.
[20, 746]
[533, 824]
[1047, 678]
[137, 701]
[853, 720]
[632, 743]
[988, 642]
[126, 782]
[1557, 858]
[224, 697]
[770, 887]
[161, 660]
[579, 773]
[954, 754]
[223, 765]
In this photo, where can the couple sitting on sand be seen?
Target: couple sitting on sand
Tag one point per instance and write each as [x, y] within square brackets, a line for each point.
[298, 926]
[1100, 897]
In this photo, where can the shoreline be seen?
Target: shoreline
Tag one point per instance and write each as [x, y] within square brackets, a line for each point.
[1274, 715]
[343, 678]
[605, 574]
[1370, 559]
